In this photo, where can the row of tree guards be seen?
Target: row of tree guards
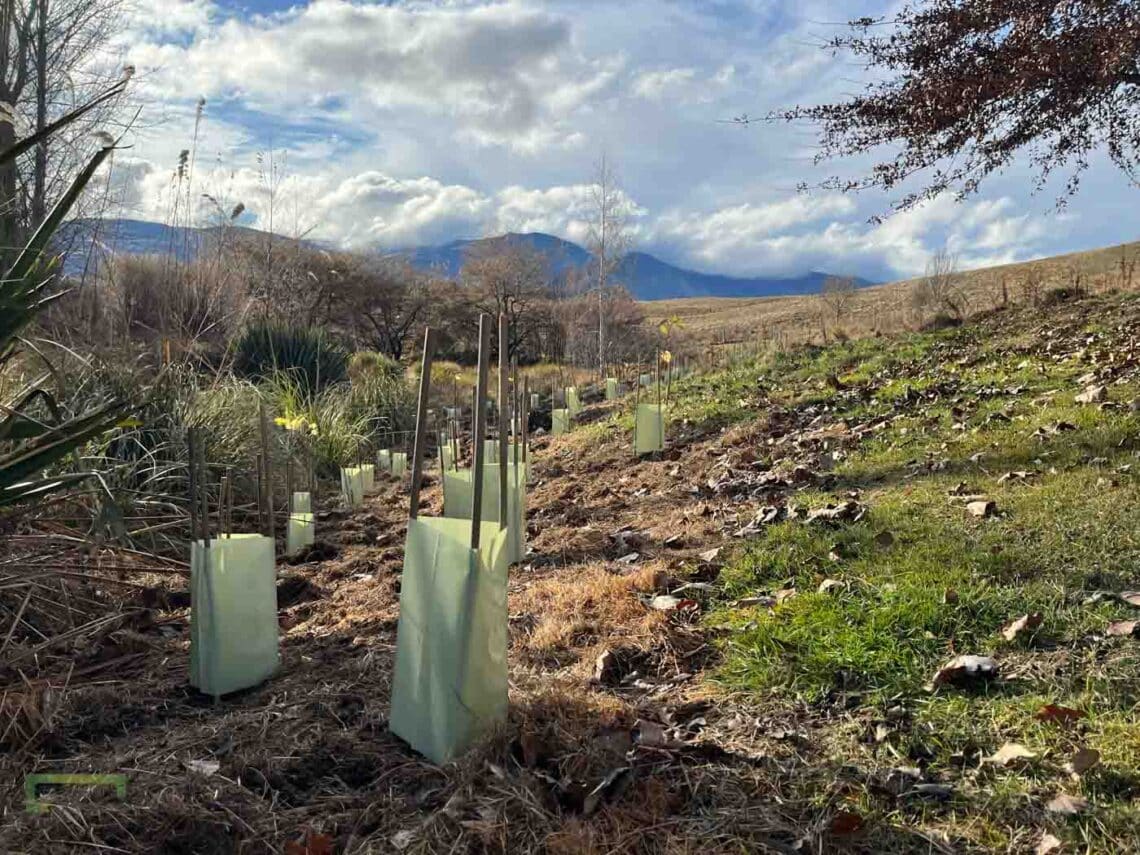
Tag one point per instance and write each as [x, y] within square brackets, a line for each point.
[450, 680]
[233, 618]
[233, 574]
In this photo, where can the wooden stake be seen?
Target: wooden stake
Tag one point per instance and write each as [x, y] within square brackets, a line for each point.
[480, 427]
[421, 423]
[204, 483]
[475, 412]
[223, 492]
[267, 464]
[192, 466]
[229, 519]
[259, 486]
[504, 396]
[525, 416]
[289, 483]
[660, 414]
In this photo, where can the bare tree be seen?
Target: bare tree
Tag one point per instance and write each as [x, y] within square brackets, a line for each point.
[507, 276]
[383, 302]
[52, 60]
[608, 241]
[940, 290]
[838, 295]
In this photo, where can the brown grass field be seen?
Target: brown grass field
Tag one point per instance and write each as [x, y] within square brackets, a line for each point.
[750, 321]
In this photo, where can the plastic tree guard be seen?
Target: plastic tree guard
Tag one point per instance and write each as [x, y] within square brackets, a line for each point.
[450, 682]
[233, 613]
[559, 422]
[649, 429]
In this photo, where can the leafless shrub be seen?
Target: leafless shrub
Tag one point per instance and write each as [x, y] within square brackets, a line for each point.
[836, 296]
[940, 290]
[150, 297]
[1126, 268]
[1032, 286]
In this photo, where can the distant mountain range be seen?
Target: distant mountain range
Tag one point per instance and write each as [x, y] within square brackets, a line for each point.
[646, 276]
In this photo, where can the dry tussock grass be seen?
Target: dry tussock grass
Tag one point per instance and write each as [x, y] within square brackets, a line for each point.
[591, 610]
[717, 322]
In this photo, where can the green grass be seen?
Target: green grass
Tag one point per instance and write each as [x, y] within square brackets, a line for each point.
[876, 642]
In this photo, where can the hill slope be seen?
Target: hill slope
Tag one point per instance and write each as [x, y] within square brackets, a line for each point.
[887, 307]
[733, 646]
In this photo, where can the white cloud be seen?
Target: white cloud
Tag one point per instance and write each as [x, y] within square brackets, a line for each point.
[158, 18]
[656, 85]
[502, 74]
[817, 233]
[423, 121]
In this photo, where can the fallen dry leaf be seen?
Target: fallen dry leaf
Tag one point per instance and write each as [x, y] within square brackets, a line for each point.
[1067, 805]
[963, 670]
[1018, 475]
[710, 555]
[203, 767]
[754, 601]
[1092, 395]
[1047, 844]
[401, 840]
[1012, 753]
[785, 594]
[606, 667]
[1122, 627]
[1083, 760]
[938, 792]
[612, 786]
[669, 603]
[311, 843]
[830, 585]
[982, 508]
[1025, 623]
[1132, 598]
[650, 734]
[1056, 714]
[845, 822]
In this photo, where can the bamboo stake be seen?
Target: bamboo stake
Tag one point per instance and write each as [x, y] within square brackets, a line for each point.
[421, 423]
[480, 428]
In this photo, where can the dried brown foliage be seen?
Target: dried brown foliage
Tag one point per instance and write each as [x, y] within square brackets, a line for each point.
[969, 84]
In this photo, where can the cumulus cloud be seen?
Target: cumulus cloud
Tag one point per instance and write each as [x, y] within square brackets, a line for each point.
[505, 73]
[430, 120]
[656, 85]
[150, 19]
[819, 233]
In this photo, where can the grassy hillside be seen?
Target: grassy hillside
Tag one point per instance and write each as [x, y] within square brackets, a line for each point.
[887, 308]
[966, 492]
[738, 645]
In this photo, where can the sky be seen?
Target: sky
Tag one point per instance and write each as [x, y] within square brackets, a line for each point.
[386, 125]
